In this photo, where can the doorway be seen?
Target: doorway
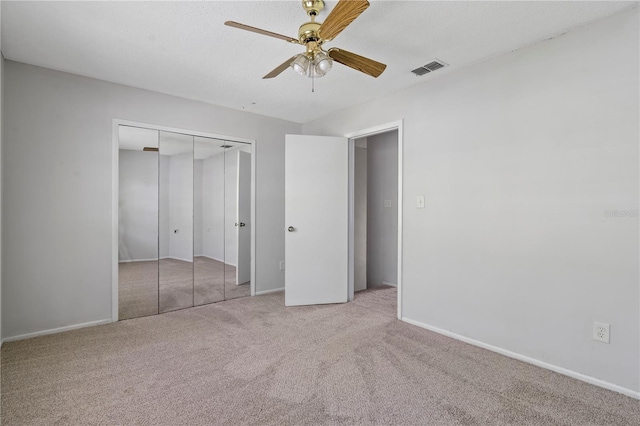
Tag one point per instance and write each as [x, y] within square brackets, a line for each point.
[320, 217]
[376, 211]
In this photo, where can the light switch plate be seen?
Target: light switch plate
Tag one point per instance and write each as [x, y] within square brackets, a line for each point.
[420, 201]
[387, 203]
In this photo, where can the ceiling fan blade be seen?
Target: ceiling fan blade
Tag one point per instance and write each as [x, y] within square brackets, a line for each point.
[357, 62]
[283, 66]
[344, 13]
[260, 31]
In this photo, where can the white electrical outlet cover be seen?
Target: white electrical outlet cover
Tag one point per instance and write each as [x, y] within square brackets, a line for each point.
[601, 332]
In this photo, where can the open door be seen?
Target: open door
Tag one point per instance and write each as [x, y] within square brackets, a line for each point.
[243, 230]
[316, 220]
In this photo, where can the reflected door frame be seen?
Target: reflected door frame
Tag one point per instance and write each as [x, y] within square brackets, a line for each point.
[115, 189]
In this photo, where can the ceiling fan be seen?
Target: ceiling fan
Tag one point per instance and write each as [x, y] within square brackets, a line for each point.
[316, 61]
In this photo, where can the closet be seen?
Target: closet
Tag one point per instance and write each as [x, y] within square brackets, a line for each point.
[184, 221]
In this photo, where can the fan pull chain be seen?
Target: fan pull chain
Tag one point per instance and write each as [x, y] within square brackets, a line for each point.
[313, 80]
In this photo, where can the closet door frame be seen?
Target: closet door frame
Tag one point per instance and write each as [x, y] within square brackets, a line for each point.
[114, 196]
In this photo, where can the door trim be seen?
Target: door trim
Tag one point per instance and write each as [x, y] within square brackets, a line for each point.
[371, 131]
[116, 122]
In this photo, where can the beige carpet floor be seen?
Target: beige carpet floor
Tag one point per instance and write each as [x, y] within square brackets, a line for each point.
[181, 285]
[253, 361]
[137, 289]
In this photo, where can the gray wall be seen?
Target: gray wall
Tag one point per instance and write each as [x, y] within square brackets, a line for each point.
[164, 228]
[1, 144]
[213, 207]
[180, 206]
[138, 205]
[57, 176]
[360, 218]
[382, 222]
[197, 207]
[520, 158]
[230, 207]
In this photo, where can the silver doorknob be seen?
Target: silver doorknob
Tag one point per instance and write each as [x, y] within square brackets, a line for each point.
[241, 224]
[291, 229]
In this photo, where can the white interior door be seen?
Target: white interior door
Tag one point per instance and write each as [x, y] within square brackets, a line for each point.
[316, 218]
[243, 230]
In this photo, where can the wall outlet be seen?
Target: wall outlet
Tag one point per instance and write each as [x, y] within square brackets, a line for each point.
[601, 332]
[282, 265]
[387, 203]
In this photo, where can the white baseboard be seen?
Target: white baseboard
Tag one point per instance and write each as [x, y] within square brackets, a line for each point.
[273, 290]
[177, 258]
[138, 260]
[529, 360]
[215, 258]
[388, 283]
[211, 257]
[56, 330]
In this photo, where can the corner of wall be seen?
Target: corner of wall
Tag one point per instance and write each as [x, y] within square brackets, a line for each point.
[1, 101]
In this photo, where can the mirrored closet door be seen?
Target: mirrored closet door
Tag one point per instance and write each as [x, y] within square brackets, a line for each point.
[208, 263]
[184, 221]
[138, 198]
[176, 221]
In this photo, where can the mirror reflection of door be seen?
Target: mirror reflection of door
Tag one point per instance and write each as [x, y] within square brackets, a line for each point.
[222, 226]
[237, 220]
[243, 218]
[137, 222]
[176, 221]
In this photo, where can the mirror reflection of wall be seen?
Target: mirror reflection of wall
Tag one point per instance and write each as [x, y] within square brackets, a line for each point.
[184, 222]
[209, 221]
[176, 221]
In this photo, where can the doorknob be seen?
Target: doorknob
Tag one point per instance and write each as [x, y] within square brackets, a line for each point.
[241, 224]
[291, 229]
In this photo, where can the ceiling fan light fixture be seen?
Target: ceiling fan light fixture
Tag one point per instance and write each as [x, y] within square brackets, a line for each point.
[300, 64]
[316, 62]
[322, 64]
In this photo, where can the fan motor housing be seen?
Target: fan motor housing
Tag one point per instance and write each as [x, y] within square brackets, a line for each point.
[308, 32]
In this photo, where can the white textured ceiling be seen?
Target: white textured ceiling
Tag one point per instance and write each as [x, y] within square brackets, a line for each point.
[183, 48]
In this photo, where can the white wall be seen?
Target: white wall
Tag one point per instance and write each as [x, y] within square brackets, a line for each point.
[520, 157]
[57, 175]
[138, 205]
[230, 207]
[213, 207]
[197, 208]
[164, 242]
[181, 206]
[382, 222]
[360, 217]
[1, 145]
